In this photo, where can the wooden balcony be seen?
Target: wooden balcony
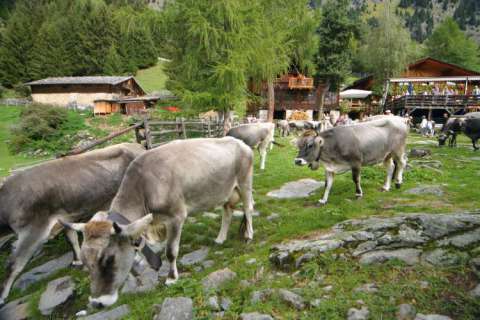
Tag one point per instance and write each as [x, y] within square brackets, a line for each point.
[451, 103]
[294, 83]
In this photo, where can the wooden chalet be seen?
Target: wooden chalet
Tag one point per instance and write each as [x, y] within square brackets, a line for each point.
[82, 92]
[292, 92]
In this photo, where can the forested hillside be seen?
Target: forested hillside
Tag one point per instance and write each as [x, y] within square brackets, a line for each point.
[41, 38]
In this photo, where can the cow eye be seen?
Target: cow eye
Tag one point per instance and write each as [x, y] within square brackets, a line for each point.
[107, 261]
[310, 145]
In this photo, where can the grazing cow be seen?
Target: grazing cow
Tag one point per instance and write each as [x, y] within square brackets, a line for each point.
[162, 187]
[450, 129]
[69, 188]
[471, 127]
[256, 135]
[284, 128]
[351, 147]
[301, 125]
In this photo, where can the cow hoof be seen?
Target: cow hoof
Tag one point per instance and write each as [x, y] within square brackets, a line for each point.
[248, 240]
[77, 263]
[321, 203]
[219, 241]
[2, 303]
[383, 189]
[359, 196]
[398, 185]
[170, 281]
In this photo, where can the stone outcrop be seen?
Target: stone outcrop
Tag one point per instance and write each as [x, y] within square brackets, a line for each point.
[432, 239]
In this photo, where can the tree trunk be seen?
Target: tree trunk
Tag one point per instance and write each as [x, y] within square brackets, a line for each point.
[271, 101]
[227, 121]
[321, 99]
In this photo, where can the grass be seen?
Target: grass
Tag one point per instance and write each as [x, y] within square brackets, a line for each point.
[447, 291]
[152, 79]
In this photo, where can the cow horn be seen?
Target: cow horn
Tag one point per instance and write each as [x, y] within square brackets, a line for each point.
[80, 227]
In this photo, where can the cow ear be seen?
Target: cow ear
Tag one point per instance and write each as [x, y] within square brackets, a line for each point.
[136, 228]
[79, 227]
[319, 141]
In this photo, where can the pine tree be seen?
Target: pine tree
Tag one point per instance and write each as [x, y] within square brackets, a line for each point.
[113, 62]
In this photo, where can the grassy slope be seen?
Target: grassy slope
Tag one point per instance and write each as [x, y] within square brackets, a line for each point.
[448, 287]
[152, 79]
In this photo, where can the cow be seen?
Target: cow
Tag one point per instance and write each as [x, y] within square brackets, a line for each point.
[256, 135]
[350, 147]
[301, 125]
[162, 187]
[70, 188]
[449, 132]
[471, 127]
[284, 128]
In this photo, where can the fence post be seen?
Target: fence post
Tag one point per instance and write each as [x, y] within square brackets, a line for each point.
[148, 136]
[184, 132]
[209, 128]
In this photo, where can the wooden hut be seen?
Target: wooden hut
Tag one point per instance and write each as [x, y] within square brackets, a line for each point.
[82, 92]
[125, 105]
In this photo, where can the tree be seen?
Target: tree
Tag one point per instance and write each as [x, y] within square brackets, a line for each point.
[113, 62]
[334, 54]
[387, 48]
[449, 43]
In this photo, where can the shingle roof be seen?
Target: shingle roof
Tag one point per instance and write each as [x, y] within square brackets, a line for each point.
[80, 80]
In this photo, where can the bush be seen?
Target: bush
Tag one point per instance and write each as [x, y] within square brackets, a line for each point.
[47, 128]
[2, 91]
[22, 91]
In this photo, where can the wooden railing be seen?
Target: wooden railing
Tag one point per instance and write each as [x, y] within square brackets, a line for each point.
[454, 102]
[300, 83]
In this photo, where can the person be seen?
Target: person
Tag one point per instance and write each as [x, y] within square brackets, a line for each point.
[476, 91]
[430, 128]
[423, 126]
[436, 90]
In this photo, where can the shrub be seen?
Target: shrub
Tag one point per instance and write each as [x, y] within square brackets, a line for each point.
[2, 91]
[47, 128]
[22, 91]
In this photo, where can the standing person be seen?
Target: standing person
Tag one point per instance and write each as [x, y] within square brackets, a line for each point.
[410, 89]
[423, 126]
[476, 91]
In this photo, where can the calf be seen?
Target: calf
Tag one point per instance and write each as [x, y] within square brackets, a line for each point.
[70, 188]
[449, 132]
[256, 135]
[351, 147]
[284, 128]
[161, 187]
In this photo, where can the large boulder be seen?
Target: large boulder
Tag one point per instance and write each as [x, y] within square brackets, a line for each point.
[113, 314]
[217, 278]
[179, 308]
[15, 310]
[58, 291]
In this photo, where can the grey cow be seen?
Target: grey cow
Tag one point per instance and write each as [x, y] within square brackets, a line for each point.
[162, 187]
[350, 147]
[70, 188]
[284, 128]
[256, 135]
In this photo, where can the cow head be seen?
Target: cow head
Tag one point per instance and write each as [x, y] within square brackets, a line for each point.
[442, 138]
[309, 148]
[108, 251]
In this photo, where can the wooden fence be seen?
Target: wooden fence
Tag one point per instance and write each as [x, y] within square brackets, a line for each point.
[153, 133]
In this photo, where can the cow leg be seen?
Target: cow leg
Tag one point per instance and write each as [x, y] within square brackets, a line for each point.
[245, 190]
[474, 143]
[227, 217]
[401, 163]
[174, 232]
[329, 175]
[29, 241]
[356, 180]
[390, 167]
[73, 239]
[263, 153]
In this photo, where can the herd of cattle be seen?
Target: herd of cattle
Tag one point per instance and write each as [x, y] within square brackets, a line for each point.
[138, 194]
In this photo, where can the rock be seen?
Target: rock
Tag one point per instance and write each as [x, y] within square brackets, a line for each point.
[58, 291]
[475, 264]
[409, 256]
[476, 291]
[304, 259]
[406, 312]
[431, 317]
[292, 299]
[296, 189]
[43, 271]
[145, 281]
[251, 261]
[364, 247]
[424, 284]
[260, 296]
[424, 190]
[462, 241]
[195, 257]
[358, 314]
[117, 313]
[239, 213]
[244, 283]
[208, 264]
[316, 303]
[211, 215]
[442, 257]
[217, 278]
[419, 153]
[213, 303]
[15, 310]
[179, 308]
[255, 316]
[164, 269]
[273, 216]
[282, 259]
[367, 288]
[225, 303]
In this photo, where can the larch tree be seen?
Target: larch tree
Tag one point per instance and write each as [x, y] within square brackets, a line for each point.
[449, 43]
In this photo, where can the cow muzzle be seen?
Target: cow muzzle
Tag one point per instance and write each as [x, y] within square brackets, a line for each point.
[300, 162]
